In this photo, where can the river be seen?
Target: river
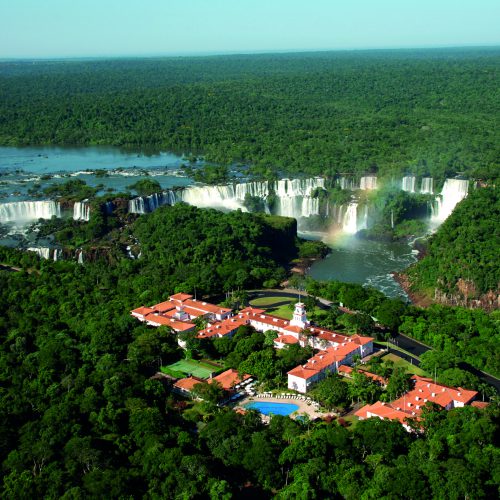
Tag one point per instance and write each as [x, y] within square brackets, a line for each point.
[367, 262]
[23, 169]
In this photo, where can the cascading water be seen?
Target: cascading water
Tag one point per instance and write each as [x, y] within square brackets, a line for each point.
[42, 252]
[368, 182]
[350, 220]
[24, 211]
[293, 197]
[212, 196]
[81, 210]
[454, 191]
[427, 186]
[346, 183]
[364, 219]
[80, 256]
[146, 204]
[409, 183]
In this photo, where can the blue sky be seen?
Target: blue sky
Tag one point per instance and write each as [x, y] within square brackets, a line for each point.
[79, 28]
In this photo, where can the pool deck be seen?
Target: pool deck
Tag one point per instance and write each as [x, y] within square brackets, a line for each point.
[308, 409]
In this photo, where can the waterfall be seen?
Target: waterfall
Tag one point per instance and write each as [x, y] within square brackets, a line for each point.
[368, 182]
[364, 219]
[80, 256]
[212, 196]
[42, 252]
[392, 219]
[57, 254]
[298, 187]
[346, 183]
[81, 210]
[293, 197]
[310, 206]
[427, 186]
[409, 183]
[146, 204]
[350, 220]
[19, 211]
[454, 191]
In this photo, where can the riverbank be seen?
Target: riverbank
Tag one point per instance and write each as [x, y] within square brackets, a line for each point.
[417, 299]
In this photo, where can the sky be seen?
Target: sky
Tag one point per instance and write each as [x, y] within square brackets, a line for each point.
[94, 28]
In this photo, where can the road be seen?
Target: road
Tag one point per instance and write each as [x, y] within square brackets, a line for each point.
[417, 349]
[289, 293]
[408, 344]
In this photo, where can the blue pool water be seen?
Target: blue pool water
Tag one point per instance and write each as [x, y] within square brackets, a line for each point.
[273, 408]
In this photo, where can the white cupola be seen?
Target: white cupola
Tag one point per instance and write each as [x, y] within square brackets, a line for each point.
[299, 316]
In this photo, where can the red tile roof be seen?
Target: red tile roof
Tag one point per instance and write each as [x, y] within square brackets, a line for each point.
[179, 326]
[325, 359]
[229, 378]
[187, 384]
[425, 390]
[411, 404]
[181, 297]
[221, 328]
[373, 376]
[286, 339]
[205, 307]
[164, 306]
[293, 328]
[142, 311]
[384, 410]
[480, 404]
[345, 369]
[252, 310]
[303, 371]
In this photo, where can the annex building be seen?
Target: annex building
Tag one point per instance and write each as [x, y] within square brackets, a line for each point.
[335, 349]
[410, 405]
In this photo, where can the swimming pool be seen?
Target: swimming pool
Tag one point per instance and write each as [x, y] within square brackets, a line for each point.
[268, 408]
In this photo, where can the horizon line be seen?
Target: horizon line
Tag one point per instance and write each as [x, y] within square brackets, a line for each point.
[215, 53]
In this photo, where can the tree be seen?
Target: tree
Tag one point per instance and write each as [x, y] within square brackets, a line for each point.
[357, 323]
[212, 392]
[390, 313]
[260, 364]
[269, 336]
[332, 392]
[436, 361]
[455, 377]
[399, 383]
[363, 388]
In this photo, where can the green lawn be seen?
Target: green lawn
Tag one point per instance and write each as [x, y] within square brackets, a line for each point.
[281, 311]
[186, 367]
[267, 302]
[392, 347]
[279, 306]
[400, 362]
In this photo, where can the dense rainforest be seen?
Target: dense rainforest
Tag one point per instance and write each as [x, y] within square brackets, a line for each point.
[457, 335]
[428, 112]
[461, 265]
[81, 417]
